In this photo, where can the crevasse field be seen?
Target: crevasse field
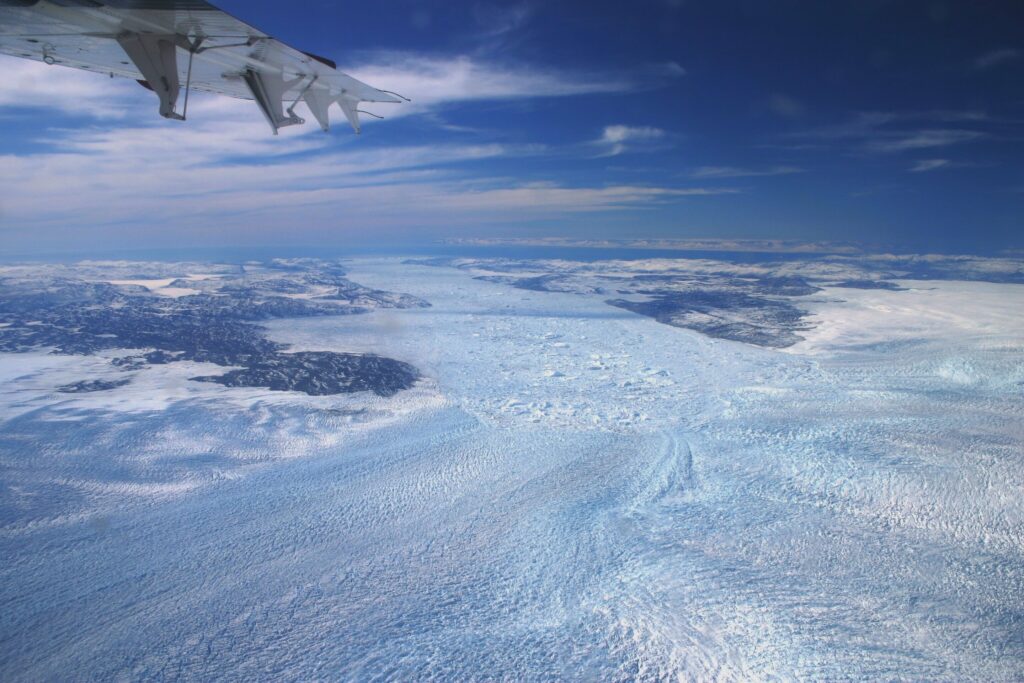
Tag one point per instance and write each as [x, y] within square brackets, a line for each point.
[571, 491]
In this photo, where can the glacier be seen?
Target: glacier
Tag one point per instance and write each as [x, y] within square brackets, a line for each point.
[571, 491]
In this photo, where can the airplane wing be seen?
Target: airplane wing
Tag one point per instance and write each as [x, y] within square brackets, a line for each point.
[174, 46]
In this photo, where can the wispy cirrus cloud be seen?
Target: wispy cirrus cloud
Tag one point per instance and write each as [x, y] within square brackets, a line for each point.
[735, 172]
[431, 81]
[894, 132]
[786, 106]
[925, 165]
[105, 184]
[30, 84]
[130, 174]
[543, 197]
[997, 57]
[434, 81]
[497, 21]
[618, 139]
[924, 139]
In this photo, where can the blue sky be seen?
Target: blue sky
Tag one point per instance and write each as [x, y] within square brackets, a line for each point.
[898, 123]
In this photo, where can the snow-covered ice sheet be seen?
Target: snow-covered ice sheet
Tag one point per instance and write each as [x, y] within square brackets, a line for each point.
[574, 491]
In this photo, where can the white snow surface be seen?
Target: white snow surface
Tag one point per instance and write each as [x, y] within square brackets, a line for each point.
[572, 492]
[982, 314]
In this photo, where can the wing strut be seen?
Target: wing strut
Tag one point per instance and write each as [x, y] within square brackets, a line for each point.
[193, 48]
[156, 58]
[319, 102]
[302, 93]
[350, 108]
[268, 90]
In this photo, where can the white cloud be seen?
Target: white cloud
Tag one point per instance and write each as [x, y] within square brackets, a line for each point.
[617, 139]
[929, 165]
[997, 57]
[617, 134]
[77, 198]
[496, 21]
[670, 69]
[222, 174]
[925, 139]
[131, 173]
[786, 106]
[145, 174]
[153, 179]
[28, 83]
[430, 81]
[543, 198]
[733, 172]
[893, 132]
[435, 81]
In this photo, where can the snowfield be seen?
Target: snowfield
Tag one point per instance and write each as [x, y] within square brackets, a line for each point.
[572, 491]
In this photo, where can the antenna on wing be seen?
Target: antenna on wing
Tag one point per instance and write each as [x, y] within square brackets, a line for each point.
[376, 116]
[389, 92]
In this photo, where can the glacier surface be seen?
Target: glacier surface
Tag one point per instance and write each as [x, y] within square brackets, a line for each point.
[572, 490]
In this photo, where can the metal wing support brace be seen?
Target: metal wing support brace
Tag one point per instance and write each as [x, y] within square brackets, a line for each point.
[268, 90]
[319, 103]
[156, 58]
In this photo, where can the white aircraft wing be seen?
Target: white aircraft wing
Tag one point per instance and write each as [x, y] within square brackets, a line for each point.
[174, 46]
